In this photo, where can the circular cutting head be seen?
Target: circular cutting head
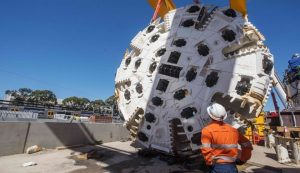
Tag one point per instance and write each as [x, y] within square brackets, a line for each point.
[176, 68]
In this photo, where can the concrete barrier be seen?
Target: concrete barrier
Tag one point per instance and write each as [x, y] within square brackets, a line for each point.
[12, 137]
[15, 137]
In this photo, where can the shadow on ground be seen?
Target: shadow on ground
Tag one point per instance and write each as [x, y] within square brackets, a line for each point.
[113, 160]
[271, 156]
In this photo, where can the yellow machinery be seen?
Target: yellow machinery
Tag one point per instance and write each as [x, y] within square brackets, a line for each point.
[255, 132]
[50, 114]
[14, 109]
[162, 7]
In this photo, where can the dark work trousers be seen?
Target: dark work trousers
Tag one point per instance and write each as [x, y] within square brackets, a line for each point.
[223, 168]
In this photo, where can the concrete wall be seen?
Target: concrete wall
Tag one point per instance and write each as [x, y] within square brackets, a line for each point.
[15, 137]
[12, 137]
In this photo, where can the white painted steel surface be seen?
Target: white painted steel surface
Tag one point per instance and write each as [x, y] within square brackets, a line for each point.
[176, 68]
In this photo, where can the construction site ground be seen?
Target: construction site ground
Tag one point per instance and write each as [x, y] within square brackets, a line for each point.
[122, 157]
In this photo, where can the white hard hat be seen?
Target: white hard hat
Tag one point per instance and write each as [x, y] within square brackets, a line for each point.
[217, 112]
[296, 55]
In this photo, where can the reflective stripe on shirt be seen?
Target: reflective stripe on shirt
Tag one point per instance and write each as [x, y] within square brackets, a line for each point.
[226, 158]
[224, 146]
[219, 146]
[206, 145]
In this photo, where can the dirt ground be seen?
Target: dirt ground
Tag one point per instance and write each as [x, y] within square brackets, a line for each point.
[122, 157]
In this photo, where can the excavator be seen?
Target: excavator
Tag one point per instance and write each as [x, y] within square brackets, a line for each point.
[186, 59]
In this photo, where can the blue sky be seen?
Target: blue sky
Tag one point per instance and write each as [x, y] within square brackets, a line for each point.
[73, 47]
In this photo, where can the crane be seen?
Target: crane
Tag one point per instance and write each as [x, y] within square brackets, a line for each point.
[279, 89]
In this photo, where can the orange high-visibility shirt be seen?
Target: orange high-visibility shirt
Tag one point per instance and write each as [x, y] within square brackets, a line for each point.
[220, 144]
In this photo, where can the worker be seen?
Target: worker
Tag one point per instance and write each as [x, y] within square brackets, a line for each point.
[220, 143]
[295, 56]
[294, 68]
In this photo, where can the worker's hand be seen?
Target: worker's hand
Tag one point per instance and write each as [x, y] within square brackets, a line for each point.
[239, 162]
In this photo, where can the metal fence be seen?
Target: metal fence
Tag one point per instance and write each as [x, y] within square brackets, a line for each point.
[9, 115]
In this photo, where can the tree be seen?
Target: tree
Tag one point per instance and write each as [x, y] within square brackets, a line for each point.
[97, 104]
[21, 95]
[82, 103]
[13, 93]
[110, 100]
[8, 92]
[43, 96]
[25, 92]
[70, 101]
